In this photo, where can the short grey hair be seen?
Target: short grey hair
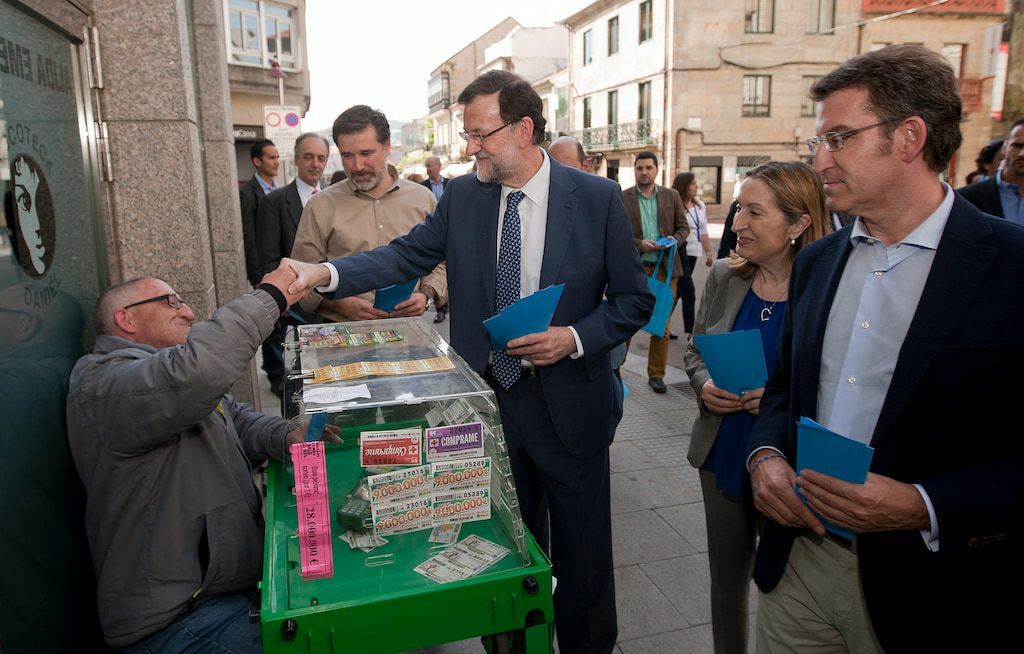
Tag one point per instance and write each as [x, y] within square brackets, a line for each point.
[111, 300]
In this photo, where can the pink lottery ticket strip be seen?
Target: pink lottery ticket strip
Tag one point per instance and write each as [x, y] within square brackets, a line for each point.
[313, 509]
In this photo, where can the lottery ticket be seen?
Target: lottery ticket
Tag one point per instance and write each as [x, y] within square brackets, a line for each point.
[484, 546]
[446, 534]
[442, 571]
[455, 442]
[466, 505]
[402, 517]
[458, 412]
[400, 484]
[391, 447]
[461, 473]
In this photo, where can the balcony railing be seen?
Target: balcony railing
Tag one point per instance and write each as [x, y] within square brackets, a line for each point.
[620, 136]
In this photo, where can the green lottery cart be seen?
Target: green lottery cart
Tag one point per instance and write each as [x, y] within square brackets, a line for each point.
[427, 544]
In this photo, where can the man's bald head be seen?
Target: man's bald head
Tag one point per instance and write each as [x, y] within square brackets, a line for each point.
[568, 151]
[433, 165]
[152, 320]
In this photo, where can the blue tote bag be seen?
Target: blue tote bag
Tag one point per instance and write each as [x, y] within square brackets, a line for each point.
[664, 298]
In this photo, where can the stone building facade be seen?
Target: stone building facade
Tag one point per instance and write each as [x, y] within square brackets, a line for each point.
[728, 82]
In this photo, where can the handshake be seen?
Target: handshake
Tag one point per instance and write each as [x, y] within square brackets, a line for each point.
[295, 279]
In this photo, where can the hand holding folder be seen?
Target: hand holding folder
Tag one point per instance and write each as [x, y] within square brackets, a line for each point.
[529, 315]
[388, 297]
[735, 360]
[829, 453]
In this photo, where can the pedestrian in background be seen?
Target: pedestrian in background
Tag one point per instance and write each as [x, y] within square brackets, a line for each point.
[781, 209]
[698, 243]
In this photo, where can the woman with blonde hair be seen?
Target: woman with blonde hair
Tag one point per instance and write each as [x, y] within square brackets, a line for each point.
[781, 209]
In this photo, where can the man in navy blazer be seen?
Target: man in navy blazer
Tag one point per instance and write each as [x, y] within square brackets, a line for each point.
[277, 218]
[560, 415]
[434, 182]
[986, 194]
[902, 330]
[266, 160]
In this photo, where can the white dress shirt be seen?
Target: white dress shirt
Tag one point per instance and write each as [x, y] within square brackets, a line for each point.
[533, 221]
[305, 191]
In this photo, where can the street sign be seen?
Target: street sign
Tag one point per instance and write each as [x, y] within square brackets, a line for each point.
[282, 124]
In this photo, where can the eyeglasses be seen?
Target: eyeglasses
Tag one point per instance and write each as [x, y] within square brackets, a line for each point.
[835, 140]
[172, 300]
[480, 138]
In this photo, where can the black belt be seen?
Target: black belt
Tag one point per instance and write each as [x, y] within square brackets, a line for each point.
[529, 372]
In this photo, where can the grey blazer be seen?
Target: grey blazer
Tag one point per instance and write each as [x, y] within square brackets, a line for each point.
[723, 295]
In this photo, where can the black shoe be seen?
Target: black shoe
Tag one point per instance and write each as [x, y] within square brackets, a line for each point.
[440, 316]
[657, 384]
[673, 336]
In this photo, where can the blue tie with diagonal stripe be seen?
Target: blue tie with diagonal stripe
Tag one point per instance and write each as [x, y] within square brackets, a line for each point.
[507, 369]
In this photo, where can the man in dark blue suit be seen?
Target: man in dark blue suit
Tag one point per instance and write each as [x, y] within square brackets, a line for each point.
[277, 218]
[902, 331]
[434, 182]
[522, 223]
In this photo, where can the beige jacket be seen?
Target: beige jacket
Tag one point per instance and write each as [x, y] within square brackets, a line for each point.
[721, 301]
[341, 221]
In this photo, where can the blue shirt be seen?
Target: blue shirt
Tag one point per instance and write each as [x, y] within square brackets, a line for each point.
[1013, 203]
[437, 188]
[874, 304]
[266, 186]
[727, 458]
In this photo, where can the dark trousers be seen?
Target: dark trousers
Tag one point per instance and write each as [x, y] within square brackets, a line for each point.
[273, 354]
[686, 292]
[576, 495]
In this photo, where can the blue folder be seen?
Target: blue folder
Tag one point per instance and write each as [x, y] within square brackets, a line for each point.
[530, 315]
[827, 452]
[386, 298]
[735, 360]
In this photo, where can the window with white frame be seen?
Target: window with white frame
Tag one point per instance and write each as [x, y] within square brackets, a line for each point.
[821, 16]
[260, 32]
[759, 16]
[646, 21]
[954, 54]
[757, 95]
[643, 105]
[588, 47]
[613, 35]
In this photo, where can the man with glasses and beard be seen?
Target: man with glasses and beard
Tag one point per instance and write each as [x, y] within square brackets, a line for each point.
[522, 223]
[369, 209]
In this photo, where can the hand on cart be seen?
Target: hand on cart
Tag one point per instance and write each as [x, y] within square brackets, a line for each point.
[298, 434]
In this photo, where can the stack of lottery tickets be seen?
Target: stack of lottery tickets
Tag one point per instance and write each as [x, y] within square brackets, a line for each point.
[400, 501]
[449, 489]
[362, 369]
[467, 559]
[314, 518]
[317, 336]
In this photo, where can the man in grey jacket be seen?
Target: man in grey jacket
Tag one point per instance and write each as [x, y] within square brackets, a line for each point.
[173, 517]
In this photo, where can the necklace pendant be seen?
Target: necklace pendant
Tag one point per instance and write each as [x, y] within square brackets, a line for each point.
[766, 314]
